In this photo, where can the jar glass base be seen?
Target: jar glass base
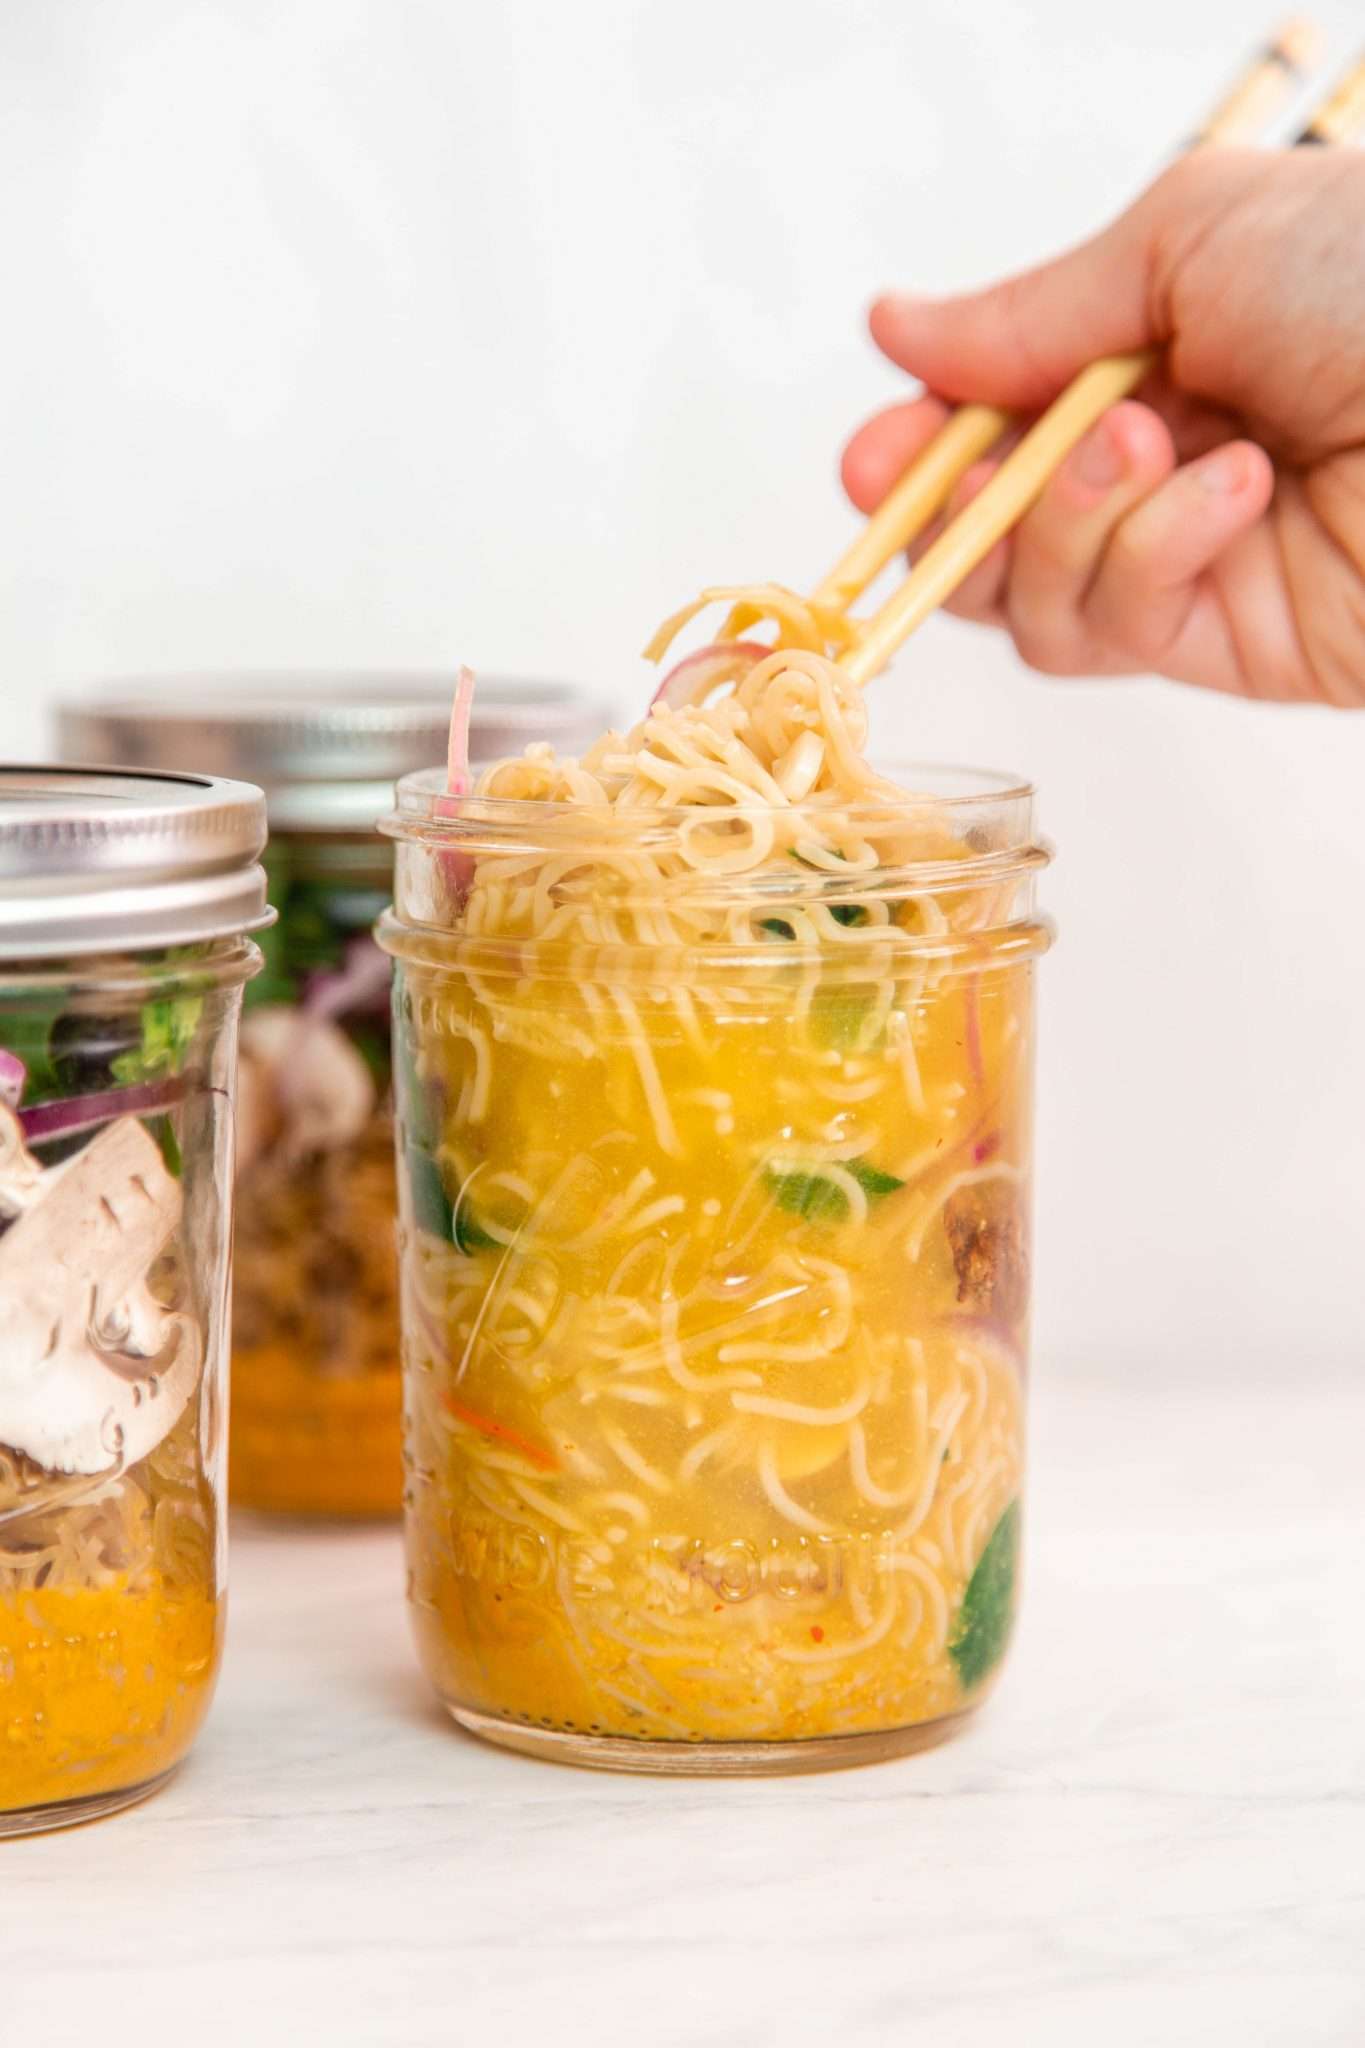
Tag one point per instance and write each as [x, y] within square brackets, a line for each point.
[708, 1759]
[70, 1813]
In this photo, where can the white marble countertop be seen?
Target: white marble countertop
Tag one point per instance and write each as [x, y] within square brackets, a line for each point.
[1154, 1834]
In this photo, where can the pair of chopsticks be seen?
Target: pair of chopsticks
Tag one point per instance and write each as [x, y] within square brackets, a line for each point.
[972, 430]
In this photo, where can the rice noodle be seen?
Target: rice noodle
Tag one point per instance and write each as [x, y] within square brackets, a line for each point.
[705, 1090]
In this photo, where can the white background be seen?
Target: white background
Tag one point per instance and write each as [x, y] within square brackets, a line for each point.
[349, 331]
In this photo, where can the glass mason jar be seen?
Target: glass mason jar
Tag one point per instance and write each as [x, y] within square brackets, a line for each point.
[125, 901]
[715, 1271]
[316, 1401]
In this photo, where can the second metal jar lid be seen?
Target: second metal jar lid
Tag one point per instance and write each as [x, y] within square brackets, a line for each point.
[327, 746]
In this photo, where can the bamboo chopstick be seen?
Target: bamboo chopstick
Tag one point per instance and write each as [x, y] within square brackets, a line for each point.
[1017, 483]
[996, 508]
[971, 431]
[968, 433]
[1341, 117]
[1259, 93]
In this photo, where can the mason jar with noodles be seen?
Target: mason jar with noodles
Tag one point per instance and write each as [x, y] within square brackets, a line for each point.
[714, 1144]
[125, 904]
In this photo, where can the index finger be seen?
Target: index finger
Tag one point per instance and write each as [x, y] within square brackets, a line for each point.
[884, 447]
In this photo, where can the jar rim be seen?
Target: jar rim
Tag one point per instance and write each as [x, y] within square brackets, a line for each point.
[942, 831]
[423, 803]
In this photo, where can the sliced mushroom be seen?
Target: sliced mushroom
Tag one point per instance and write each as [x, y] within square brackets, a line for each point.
[988, 1239]
[304, 1086]
[20, 1174]
[94, 1370]
[257, 1120]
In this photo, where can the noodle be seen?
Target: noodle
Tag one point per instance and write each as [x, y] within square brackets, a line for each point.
[681, 1033]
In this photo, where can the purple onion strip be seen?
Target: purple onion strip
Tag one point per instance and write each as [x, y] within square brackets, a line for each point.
[84, 1112]
[13, 1074]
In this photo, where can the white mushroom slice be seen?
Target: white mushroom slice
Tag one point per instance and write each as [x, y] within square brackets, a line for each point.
[322, 1090]
[94, 1371]
[20, 1174]
[269, 1034]
[257, 1121]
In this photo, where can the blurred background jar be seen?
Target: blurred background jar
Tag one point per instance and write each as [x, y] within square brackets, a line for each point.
[125, 904]
[316, 1395]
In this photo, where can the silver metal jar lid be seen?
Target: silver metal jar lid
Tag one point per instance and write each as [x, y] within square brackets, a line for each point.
[327, 746]
[96, 860]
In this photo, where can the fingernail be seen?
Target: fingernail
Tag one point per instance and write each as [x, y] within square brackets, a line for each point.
[1098, 462]
[1223, 473]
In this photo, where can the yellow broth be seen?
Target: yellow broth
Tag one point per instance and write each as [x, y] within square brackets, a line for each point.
[714, 1296]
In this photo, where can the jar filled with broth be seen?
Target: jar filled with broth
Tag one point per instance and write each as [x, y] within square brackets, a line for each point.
[715, 1108]
[126, 901]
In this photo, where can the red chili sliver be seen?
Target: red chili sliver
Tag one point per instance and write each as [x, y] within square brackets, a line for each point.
[501, 1433]
[457, 867]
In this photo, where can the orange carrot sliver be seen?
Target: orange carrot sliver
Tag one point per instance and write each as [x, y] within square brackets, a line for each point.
[486, 1426]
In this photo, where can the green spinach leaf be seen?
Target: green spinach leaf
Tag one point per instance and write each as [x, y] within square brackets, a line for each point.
[430, 1202]
[470, 1235]
[808, 1195]
[873, 1182]
[986, 1616]
[807, 1192]
[168, 1027]
[28, 1035]
[839, 1013]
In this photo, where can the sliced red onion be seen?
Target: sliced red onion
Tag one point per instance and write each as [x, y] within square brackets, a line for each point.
[457, 868]
[962, 1151]
[457, 871]
[13, 1075]
[360, 985]
[457, 751]
[995, 1328]
[85, 1112]
[691, 680]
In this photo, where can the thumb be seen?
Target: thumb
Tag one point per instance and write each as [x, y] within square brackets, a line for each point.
[1017, 343]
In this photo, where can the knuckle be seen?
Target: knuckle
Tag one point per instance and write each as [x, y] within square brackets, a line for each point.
[1189, 184]
[1045, 646]
[1171, 188]
[1048, 539]
[1125, 622]
[1125, 572]
[1126, 612]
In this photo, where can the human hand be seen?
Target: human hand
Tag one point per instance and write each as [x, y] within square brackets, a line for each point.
[1212, 529]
